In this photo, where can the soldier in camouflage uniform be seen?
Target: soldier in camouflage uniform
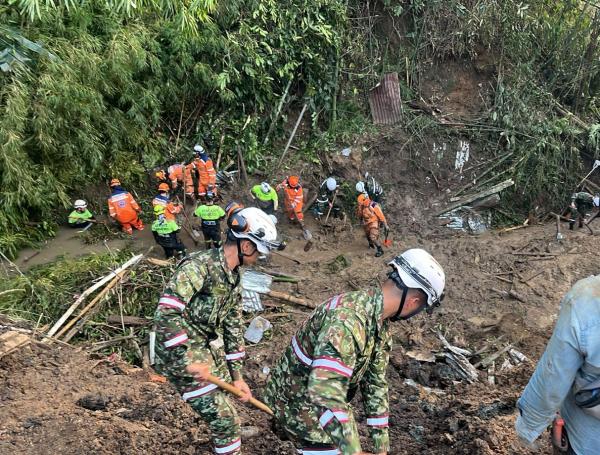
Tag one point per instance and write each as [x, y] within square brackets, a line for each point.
[199, 326]
[581, 204]
[344, 346]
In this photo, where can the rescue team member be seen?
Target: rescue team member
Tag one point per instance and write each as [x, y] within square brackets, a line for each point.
[293, 198]
[581, 204]
[163, 199]
[81, 217]
[178, 176]
[207, 176]
[165, 232]
[123, 208]
[370, 186]
[266, 197]
[567, 377]
[199, 324]
[324, 201]
[342, 347]
[371, 215]
[210, 216]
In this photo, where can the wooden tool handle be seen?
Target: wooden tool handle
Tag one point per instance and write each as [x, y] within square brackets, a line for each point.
[238, 393]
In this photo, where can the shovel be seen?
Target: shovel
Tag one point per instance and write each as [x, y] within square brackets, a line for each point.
[387, 242]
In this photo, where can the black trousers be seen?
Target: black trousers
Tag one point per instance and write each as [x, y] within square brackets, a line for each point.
[212, 236]
[171, 245]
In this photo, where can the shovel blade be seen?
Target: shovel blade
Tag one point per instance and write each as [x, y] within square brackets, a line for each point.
[387, 243]
[307, 234]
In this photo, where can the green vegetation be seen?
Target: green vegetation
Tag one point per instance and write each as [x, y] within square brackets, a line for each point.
[89, 90]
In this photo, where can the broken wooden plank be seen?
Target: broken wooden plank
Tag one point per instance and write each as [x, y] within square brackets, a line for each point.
[12, 341]
[474, 197]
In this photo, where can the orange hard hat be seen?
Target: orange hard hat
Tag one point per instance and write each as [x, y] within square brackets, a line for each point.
[163, 187]
[293, 180]
[115, 182]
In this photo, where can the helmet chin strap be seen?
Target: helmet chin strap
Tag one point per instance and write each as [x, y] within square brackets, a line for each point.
[397, 316]
[400, 285]
[241, 254]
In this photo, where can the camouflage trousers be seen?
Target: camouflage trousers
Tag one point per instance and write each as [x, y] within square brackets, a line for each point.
[205, 398]
[293, 413]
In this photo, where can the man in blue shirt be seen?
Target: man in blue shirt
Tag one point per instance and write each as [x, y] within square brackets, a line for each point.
[571, 362]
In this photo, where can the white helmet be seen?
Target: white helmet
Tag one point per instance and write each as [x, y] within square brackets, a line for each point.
[418, 269]
[80, 204]
[198, 148]
[265, 187]
[360, 187]
[255, 225]
[331, 184]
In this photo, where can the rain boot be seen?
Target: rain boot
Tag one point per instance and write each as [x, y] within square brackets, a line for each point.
[379, 251]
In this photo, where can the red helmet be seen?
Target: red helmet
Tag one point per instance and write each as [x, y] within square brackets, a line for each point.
[293, 180]
[163, 187]
[115, 182]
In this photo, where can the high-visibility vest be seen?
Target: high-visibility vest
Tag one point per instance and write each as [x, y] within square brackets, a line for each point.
[261, 196]
[210, 214]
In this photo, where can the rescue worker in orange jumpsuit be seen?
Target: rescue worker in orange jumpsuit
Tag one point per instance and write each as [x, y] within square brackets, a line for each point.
[207, 175]
[178, 176]
[371, 215]
[163, 199]
[293, 198]
[123, 208]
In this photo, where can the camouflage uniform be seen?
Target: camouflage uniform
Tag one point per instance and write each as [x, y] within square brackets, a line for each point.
[199, 319]
[582, 204]
[342, 346]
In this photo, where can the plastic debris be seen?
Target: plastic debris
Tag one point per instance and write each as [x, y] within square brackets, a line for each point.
[257, 328]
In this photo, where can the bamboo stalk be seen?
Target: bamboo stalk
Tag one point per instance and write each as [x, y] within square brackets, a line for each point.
[90, 305]
[90, 290]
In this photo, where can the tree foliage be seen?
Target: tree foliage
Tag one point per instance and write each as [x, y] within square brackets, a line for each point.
[116, 89]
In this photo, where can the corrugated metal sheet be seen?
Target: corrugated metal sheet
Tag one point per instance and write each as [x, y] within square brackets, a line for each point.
[385, 101]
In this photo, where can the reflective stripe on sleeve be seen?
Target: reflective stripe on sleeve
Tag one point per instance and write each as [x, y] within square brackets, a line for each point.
[300, 353]
[235, 445]
[334, 302]
[328, 416]
[198, 392]
[332, 364]
[176, 340]
[168, 301]
[378, 421]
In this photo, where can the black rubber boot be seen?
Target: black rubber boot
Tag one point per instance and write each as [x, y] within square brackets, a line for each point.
[379, 252]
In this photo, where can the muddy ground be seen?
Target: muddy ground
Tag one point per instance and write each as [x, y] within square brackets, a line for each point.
[58, 399]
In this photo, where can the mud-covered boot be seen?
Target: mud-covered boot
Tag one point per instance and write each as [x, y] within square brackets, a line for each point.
[371, 245]
[379, 251]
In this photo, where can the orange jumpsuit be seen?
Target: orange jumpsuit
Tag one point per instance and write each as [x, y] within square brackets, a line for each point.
[371, 215]
[123, 208]
[207, 176]
[293, 200]
[180, 174]
[170, 209]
